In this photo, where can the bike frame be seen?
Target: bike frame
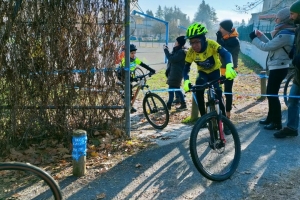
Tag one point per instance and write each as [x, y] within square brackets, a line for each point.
[213, 101]
[139, 86]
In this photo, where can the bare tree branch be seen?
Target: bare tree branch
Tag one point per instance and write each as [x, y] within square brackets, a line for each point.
[249, 6]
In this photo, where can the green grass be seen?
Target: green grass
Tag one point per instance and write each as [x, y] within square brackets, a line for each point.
[246, 65]
[158, 80]
[188, 120]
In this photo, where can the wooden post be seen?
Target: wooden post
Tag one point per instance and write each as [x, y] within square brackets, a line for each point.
[79, 141]
[263, 84]
[194, 111]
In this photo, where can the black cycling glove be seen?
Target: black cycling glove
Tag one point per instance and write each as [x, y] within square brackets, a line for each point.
[252, 35]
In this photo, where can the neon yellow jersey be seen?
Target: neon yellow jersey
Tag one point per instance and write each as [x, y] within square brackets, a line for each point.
[133, 63]
[207, 61]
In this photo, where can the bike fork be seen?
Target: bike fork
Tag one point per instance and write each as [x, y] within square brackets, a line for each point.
[217, 138]
[220, 122]
[154, 109]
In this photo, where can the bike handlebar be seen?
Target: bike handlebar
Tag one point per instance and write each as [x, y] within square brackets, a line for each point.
[137, 78]
[194, 88]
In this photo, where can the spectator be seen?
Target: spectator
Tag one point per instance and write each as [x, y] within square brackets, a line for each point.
[227, 37]
[177, 98]
[278, 62]
[291, 128]
[176, 61]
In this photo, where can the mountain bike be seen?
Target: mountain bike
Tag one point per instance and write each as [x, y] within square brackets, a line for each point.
[215, 155]
[112, 90]
[26, 181]
[154, 107]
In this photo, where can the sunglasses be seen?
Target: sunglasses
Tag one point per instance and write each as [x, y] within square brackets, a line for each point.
[195, 43]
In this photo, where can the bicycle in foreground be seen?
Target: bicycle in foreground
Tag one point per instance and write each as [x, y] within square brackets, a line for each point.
[26, 181]
[215, 155]
[154, 107]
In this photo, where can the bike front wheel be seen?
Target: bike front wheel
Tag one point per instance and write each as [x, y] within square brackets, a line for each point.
[155, 111]
[214, 158]
[25, 181]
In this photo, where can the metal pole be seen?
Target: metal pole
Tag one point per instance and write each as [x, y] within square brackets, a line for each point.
[263, 84]
[127, 68]
[167, 38]
[165, 22]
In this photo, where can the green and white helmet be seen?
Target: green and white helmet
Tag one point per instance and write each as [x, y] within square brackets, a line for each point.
[195, 30]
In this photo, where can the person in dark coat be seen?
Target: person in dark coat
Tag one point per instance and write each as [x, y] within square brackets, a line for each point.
[176, 61]
[227, 37]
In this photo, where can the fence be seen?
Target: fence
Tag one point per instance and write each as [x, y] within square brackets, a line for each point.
[244, 31]
[49, 54]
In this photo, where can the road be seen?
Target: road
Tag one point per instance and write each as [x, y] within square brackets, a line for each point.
[167, 172]
[152, 54]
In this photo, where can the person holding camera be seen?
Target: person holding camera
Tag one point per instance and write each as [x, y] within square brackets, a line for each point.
[278, 62]
[176, 60]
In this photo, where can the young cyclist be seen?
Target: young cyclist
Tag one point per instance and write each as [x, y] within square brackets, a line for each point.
[205, 53]
[134, 61]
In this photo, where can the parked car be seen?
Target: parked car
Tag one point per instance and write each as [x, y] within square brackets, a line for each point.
[133, 38]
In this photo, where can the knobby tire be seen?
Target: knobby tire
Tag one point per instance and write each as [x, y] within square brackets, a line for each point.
[155, 111]
[223, 161]
[36, 171]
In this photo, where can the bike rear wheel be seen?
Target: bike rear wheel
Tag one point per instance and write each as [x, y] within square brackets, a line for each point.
[155, 110]
[214, 159]
[287, 88]
[25, 181]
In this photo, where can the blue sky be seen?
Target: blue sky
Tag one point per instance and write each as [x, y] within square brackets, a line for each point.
[224, 9]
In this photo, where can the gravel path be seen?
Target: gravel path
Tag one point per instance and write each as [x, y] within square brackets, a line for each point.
[267, 169]
[167, 172]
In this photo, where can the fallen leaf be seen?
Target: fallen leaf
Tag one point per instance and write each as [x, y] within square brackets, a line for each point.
[30, 151]
[101, 196]
[138, 165]
[63, 150]
[94, 154]
[14, 152]
[96, 133]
